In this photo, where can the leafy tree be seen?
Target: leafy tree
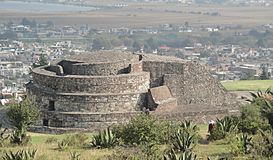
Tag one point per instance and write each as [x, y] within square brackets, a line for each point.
[100, 43]
[49, 24]
[264, 75]
[21, 116]
[9, 35]
[27, 22]
[42, 61]
[136, 46]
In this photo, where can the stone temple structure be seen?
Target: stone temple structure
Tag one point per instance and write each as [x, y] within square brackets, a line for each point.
[91, 91]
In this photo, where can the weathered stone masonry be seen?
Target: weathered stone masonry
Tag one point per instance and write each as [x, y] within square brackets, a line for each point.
[89, 92]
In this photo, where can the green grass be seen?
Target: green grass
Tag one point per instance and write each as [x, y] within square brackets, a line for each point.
[247, 85]
[51, 152]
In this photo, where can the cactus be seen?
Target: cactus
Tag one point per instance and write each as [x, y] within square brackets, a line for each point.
[105, 139]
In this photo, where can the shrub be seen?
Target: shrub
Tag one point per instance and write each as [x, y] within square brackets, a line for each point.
[3, 136]
[263, 144]
[77, 140]
[223, 128]
[20, 155]
[216, 134]
[141, 152]
[105, 139]
[267, 111]
[240, 144]
[251, 119]
[21, 116]
[142, 129]
[51, 140]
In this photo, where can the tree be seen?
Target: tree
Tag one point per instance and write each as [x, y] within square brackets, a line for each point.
[21, 115]
[42, 61]
[136, 46]
[100, 43]
[9, 35]
[186, 24]
[264, 75]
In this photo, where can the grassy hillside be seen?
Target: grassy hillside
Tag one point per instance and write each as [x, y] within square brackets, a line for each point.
[248, 85]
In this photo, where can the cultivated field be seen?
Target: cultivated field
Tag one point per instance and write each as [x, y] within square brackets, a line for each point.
[248, 85]
[151, 14]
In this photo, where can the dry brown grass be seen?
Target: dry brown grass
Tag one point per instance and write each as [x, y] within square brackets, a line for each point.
[137, 14]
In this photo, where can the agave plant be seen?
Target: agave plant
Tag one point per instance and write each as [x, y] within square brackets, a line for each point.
[19, 137]
[183, 141]
[247, 143]
[75, 156]
[20, 155]
[267, 95]
[188, 125]
[3, 136]
[105, 139]
[226, 125]
[62, 145]
[179, 156]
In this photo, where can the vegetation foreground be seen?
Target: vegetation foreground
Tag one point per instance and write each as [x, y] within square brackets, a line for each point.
[246, 136]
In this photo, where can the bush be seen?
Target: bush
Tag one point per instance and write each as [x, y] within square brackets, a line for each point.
[51, 140]
[216, 134]
[240, 144]
[251, 119]
[77, 140]
[142, 129]
[21, 116]
[3, 136]
[141, 152]
[263, 144]
[223, 128]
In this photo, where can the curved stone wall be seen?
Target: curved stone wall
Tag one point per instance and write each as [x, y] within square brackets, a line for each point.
[126, 83]
[85, 120]
[71, 102]
[100, 69]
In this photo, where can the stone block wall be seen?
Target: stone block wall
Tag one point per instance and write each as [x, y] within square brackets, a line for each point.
[158, 69]
[96, 103]
[126, 83]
